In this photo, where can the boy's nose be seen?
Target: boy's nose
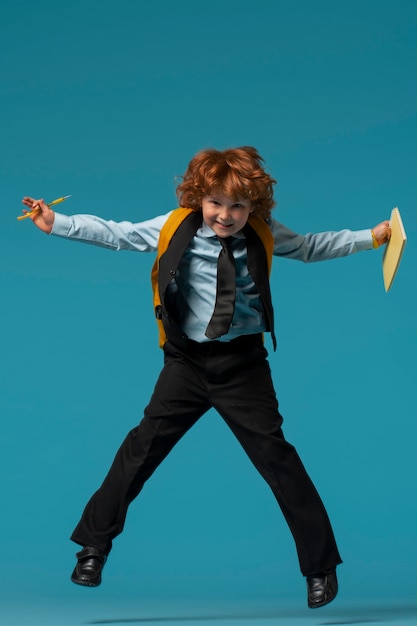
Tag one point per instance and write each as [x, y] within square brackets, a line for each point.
[224, 212]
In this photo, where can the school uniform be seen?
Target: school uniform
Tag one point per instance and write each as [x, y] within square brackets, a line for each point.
[230, 374]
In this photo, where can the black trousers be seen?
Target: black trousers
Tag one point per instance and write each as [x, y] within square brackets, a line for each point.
[235, 379]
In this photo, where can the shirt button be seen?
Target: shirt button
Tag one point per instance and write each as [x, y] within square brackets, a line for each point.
[172, 272]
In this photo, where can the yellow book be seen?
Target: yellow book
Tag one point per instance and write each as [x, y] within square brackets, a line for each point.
[394, 249]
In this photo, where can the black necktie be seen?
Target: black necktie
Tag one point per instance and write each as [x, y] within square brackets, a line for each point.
[226, 292]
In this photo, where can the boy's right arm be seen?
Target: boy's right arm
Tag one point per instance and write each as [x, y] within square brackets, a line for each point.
[91, 229]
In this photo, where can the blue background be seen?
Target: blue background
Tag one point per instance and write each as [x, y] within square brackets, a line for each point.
[108, 101]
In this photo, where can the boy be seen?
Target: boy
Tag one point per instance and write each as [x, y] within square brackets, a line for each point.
[212, 301]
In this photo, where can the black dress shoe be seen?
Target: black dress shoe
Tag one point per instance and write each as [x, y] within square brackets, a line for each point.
[321, 589]
[87, 572]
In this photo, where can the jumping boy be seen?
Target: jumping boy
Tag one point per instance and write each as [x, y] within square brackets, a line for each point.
[213, 303]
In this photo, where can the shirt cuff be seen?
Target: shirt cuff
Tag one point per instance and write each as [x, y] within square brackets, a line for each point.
[363, 239]
[61, 225]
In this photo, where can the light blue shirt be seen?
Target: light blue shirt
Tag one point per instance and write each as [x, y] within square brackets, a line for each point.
[194, 290]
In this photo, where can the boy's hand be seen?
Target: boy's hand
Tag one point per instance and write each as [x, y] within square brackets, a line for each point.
[382, 233]
[43, 218]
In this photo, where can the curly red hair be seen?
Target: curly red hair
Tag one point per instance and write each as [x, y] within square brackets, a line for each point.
[236, 172]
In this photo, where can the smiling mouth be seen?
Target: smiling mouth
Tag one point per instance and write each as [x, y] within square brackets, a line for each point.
[224, 225]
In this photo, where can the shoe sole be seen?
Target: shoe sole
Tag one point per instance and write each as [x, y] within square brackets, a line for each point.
[85, 583]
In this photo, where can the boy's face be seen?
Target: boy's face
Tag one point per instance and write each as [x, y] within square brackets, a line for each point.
[224, 215]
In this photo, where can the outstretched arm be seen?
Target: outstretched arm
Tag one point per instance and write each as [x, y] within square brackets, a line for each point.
[94, 230]
[324, 246]
[44, 217]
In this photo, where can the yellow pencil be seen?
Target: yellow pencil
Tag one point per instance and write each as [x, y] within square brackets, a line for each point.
[30, 213]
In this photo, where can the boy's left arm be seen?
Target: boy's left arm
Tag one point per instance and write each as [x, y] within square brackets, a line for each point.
[324, 246]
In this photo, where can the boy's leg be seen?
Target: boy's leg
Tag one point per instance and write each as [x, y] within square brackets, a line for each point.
[179, 399]
[248, 404]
